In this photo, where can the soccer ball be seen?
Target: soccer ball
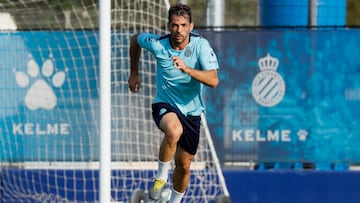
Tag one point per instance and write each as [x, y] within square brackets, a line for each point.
[165, 195]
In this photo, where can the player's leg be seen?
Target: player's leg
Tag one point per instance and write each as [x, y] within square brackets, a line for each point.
[181, 175]
[172, 129]
[185, 153]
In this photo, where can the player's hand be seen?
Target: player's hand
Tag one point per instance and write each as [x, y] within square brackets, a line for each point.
[179, 63]
[134, 83]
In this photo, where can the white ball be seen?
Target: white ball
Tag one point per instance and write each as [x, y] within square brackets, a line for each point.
[165, 195]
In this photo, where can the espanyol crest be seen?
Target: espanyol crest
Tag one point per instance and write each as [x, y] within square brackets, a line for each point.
[268, 87]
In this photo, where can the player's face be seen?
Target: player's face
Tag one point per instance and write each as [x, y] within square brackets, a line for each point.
[180, 28]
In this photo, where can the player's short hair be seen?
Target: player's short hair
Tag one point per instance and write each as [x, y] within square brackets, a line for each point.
[180, 10]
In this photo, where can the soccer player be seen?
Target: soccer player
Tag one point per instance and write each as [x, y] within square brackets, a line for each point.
[185, 62]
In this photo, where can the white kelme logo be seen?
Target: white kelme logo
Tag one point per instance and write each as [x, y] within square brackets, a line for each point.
[40, 94]
[268, 87]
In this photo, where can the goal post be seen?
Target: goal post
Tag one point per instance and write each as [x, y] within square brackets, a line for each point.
[70, 129]
[105, 100]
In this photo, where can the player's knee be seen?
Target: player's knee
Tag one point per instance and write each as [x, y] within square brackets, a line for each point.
[183, 168]
[173, 133]
[183, 165]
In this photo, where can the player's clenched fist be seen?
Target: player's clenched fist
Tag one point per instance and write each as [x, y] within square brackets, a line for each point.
[179, 63]
[134, 83]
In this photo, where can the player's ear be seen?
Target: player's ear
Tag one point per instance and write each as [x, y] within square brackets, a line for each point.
[191, 26]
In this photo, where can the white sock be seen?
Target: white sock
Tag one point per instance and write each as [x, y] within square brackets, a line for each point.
[163, 170]
[176, 196]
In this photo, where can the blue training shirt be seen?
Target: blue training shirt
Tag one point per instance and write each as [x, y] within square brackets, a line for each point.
[174, 86]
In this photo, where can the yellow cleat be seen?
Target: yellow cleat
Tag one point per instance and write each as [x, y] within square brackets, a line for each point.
[156, 189]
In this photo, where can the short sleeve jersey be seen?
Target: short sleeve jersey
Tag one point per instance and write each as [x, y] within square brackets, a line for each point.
[174, 86]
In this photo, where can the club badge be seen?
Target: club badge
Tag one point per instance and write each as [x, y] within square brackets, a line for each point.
[268, 87]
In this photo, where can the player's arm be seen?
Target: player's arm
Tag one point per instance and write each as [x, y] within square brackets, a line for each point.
[135, 51]
[207, 77]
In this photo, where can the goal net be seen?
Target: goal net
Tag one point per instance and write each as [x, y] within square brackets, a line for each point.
[50, 119]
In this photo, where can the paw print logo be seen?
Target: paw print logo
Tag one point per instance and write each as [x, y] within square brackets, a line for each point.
[302, 134]
[40, 94]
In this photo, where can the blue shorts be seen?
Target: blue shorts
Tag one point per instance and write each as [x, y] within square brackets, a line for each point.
[189, 140]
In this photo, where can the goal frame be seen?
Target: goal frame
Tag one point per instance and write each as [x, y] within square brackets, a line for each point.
[105, 100]
[105, 108]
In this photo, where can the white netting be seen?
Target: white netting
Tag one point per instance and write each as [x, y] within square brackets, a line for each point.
[49, 130]
[49, 135]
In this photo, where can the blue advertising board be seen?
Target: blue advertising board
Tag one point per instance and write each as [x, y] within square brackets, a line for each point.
[49, 92]
[286, 96]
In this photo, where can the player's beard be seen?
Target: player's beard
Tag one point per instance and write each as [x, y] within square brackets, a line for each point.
[178, 39]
